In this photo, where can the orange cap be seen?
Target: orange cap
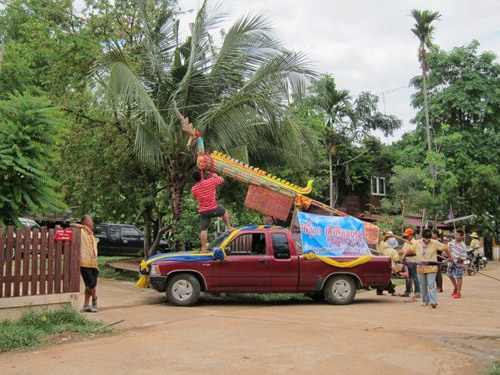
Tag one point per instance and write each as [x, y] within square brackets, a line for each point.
[408, 232]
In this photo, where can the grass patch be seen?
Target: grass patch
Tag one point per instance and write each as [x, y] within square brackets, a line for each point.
[110, 273]
[34, 329]
[495, 370]
[398, 281]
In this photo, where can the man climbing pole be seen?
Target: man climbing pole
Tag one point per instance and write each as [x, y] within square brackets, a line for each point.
[204, 192]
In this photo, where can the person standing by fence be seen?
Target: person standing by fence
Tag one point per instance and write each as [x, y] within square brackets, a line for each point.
[89, 267]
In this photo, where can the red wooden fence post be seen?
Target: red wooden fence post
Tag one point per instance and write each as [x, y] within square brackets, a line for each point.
[43, 261]
[2, 259]
[26, 261]
[58, 267]
[9, 253]
[66, 268]
[18, 261]
[35, 262]
[50, 275]
[75, 261]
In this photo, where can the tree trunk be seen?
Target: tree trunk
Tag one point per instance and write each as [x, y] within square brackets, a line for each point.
[426, 109]
[336, 187]
[177, 188]
[428, 131]
[331, 179]
[147, 231]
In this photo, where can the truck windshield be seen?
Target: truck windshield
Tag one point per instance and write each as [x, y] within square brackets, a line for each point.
[216, 243]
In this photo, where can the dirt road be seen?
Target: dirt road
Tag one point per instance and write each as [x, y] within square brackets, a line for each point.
[374, 335]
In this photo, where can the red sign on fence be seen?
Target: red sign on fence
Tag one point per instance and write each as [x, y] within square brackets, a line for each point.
[64, 235]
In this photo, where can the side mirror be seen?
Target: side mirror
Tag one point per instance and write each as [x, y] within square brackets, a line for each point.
[227, 250]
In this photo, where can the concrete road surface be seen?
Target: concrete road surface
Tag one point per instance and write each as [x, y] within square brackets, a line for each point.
[374, 335]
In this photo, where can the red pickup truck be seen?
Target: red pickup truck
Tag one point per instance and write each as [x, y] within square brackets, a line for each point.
[265, 260]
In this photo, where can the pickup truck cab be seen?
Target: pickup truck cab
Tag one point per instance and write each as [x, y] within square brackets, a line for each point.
[265, 260]
[121, 239]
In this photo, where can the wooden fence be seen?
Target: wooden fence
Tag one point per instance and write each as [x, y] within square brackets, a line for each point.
[33, 262]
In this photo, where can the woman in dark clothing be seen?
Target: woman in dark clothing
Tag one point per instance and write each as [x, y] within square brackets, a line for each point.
[437, 234]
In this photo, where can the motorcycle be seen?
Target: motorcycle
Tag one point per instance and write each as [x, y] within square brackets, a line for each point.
[470, 265]
[482, 261]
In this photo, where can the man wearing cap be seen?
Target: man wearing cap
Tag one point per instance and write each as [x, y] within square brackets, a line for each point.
[412, 266]
[389, 250]
[476, 246]
[425, 251]
[385, 237]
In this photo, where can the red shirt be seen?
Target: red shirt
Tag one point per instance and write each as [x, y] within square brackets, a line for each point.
[204, 192]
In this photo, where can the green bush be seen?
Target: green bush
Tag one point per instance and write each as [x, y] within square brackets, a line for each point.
[35, 328]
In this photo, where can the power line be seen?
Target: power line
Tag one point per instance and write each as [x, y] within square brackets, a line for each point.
[393, 90]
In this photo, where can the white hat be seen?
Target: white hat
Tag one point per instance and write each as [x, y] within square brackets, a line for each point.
[392, 242]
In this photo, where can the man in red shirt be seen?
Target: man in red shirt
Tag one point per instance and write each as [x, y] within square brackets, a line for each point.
[204, 192]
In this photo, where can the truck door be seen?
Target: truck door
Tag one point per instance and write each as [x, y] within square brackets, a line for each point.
[248, 265]
[114, 240]
[284, 265]
[101, 233]
[132, 241]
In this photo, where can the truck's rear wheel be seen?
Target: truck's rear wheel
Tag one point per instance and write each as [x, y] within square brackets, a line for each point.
[183, 289]
[340, 290]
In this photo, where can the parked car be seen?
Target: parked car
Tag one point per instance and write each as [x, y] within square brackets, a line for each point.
[29, 223]
[263, 261]
[121, 239]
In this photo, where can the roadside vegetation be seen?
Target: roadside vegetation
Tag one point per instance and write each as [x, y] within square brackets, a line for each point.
[35, 329]
[107, 272]
[495, 370]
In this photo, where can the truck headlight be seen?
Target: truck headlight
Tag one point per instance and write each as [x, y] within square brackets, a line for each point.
[155, 270]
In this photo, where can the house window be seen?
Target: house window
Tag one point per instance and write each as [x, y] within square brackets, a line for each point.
[378, 186]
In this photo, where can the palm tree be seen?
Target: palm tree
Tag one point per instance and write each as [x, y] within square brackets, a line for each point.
[424, 30]
[337, 106]
[235, 93]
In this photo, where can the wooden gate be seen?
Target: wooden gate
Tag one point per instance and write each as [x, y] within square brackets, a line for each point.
[33, 262]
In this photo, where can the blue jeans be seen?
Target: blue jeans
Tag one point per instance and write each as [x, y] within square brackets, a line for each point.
[412, 275]
[428, 284]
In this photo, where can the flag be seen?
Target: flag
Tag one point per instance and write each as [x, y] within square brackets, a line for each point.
[451, 216]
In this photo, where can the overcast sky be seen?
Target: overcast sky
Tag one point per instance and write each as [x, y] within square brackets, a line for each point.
[367, 45]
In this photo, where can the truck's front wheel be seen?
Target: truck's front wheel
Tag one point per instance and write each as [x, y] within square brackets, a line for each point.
[340, 290]
[183, 289]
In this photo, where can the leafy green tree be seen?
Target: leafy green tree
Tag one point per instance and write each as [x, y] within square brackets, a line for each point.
[336, 104]
[347, 133]
[465, 110]
[29, 128]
